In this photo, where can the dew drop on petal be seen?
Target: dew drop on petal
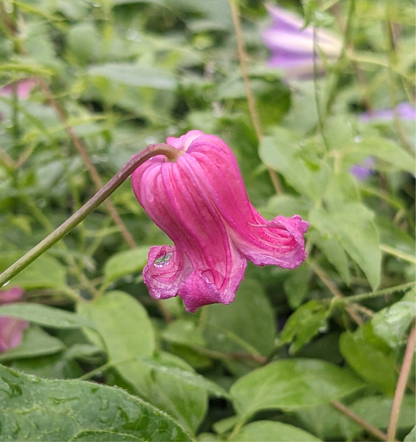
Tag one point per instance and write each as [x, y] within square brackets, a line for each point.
[162, 260]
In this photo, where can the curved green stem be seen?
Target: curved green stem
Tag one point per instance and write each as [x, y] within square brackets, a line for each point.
[151, 151]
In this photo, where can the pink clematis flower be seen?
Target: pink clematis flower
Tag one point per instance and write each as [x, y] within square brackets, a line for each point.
[200, 201]
[11, 329]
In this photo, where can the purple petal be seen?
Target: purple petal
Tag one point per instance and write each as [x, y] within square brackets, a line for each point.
[405, 111]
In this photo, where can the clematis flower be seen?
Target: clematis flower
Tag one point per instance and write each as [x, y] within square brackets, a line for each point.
[11, 329]
[292, 46]
[200, 201]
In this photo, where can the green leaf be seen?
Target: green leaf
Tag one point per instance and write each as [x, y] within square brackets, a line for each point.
[391, 323]
[383, 149]
[305, 323]
[125, 263]
[45, 272]
[371, 359]
[334, 253]
[134, 75]
[411, 437]
[353, 226]
[35, 342]
[268, 431]
[186, 376]
[291, 384]
[296, 286]
[125, 329]
[247, 323]
[36, 409]
[128, 336]
[282, 152]
[45, 315]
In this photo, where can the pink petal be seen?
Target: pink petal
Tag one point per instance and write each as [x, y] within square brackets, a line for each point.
[11, 295]
[11, 332]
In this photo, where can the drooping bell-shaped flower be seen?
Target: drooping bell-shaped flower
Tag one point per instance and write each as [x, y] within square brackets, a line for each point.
[201, 203]
[11, 329]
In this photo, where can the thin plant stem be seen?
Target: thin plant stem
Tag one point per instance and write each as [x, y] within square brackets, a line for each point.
[155, 149]
[242, 56]
[398, 254]
[87, 160]
[369, 295]
[359, 420]
[336, 292]
[401, 384]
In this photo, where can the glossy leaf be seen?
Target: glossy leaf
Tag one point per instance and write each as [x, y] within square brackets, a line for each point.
[291, 384]
[391, 323]
[305, 323]
[128, 336]
[36, 409]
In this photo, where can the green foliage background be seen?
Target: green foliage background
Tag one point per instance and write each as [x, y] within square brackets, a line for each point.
[128, 73]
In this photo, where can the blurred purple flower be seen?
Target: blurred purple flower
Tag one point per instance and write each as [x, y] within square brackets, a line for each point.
[405, 111]
[11, 329]
[364, 170]
[292, 46]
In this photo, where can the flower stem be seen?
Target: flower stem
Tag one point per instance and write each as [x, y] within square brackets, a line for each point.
[401, 384]
[151, 151]
[359, 420]
[242, 55]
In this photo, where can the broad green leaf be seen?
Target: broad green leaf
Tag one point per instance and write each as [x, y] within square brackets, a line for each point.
[391, 323]
[342, 189]
[282, 152]
[45, 315]
[35, 342]
[306, 322]
[268, 431]
[186, 376]
[125, 263]
[134, 75]
[45, 272]
[125, 329]
[383, 149]
[291, 384]
[411, 437]
[128, 335]
[44, 410]
[245, 326]
[353, 226]
[333, 251]
[369, 358]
